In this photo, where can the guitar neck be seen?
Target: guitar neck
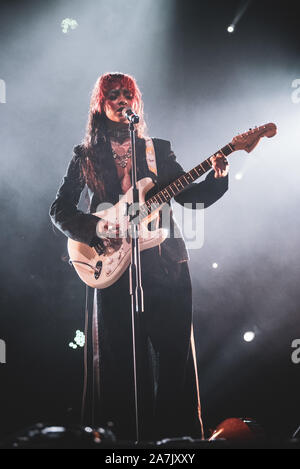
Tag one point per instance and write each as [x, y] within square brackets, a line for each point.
[177, 186]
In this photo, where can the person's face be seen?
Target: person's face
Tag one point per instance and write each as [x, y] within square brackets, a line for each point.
[117, 99]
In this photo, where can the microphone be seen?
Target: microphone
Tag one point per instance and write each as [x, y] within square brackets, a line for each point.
[131, 116]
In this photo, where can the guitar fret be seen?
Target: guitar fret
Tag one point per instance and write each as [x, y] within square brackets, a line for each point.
[172, 189]
[143, 209]
[226, 150]
[150, 204]
[153, 206]
[162, 195]
[157, 195]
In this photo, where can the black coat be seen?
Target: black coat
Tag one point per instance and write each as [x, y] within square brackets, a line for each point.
[81, 226]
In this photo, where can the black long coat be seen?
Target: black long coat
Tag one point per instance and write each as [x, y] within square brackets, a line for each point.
[171, 399]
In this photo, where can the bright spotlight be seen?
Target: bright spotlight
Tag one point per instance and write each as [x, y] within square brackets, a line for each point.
[249, 336]
[239, 176]
[67, 24]
[79, 340]
[230, 28]
[215, 265]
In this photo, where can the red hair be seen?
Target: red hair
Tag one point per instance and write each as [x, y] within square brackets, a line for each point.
[96, 123]
[107, 82]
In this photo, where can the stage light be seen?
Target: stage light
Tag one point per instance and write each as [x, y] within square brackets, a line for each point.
[215, 265]
[249, 336]
[238, 176]
[71, 345]
[79, 338]
[68, 23]
[242, 8]
[237, 429]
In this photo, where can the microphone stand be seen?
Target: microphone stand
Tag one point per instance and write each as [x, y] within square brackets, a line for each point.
[135, 279]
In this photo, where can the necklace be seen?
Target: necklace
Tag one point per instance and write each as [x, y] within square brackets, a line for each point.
[122, 160]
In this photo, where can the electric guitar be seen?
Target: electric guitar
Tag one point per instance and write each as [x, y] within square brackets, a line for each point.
[100, 270]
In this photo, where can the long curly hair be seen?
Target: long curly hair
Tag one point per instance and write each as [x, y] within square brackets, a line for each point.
[93, 165]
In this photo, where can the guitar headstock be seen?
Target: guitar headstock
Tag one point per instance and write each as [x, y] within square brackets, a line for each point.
[248, 140]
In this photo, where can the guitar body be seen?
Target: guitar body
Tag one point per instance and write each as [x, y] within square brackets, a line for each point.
[101, 271]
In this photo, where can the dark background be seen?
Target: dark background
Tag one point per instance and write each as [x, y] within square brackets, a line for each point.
[201, 86]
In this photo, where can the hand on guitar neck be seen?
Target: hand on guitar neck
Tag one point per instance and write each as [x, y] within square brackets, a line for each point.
[220, 165]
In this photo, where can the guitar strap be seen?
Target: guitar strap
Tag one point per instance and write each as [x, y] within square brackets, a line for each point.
[152, 166]
[150, 156]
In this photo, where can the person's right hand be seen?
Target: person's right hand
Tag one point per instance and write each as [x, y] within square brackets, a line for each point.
[110, 235]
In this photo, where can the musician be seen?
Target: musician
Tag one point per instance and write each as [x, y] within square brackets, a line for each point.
[102, 165]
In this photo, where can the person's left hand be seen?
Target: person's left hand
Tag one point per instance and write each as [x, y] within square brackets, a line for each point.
[220, 165]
